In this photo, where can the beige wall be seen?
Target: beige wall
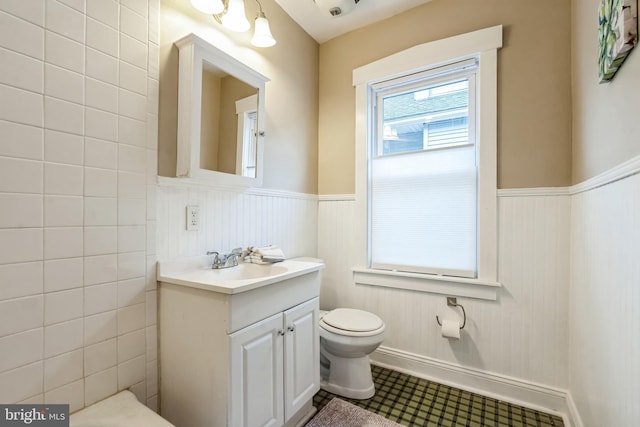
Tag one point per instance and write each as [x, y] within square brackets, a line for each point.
[210, 119]
[606, 128]
[291, 154]
[534, 124]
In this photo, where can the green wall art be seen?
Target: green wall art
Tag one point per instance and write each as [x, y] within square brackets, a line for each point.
[617, 35]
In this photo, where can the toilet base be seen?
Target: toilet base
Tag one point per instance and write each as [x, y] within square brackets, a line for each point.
[346, 376]
[348, 392]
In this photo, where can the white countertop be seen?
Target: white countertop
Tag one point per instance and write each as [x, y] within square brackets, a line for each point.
[196, 272]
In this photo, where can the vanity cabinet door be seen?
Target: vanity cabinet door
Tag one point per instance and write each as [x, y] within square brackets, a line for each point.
[256, 382]
[301, 356]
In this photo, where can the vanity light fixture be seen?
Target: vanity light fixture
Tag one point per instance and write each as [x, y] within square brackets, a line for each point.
[231, 14]
[262, 33]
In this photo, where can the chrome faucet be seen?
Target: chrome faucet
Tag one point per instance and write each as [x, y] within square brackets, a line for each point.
[225, 260]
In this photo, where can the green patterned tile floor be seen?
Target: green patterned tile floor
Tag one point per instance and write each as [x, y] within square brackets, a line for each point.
[412, 401]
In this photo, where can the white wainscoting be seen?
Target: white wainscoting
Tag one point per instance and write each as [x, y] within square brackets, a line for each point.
[519, 340]
[233, 218]
[604, 329]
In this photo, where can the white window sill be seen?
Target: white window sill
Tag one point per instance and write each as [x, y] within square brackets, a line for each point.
[446, 285]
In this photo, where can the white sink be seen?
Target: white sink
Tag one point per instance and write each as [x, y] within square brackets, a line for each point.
[197, 272]
[251, 291]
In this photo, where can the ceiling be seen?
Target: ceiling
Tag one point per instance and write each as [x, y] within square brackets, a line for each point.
[322, 27]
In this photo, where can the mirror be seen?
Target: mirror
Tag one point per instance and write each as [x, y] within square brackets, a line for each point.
[228, 132]
[220, 116]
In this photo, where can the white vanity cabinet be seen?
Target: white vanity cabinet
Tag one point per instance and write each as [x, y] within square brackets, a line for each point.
[274, 367]
[239, 357]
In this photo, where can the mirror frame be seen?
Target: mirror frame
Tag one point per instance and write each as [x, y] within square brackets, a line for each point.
[194, 52]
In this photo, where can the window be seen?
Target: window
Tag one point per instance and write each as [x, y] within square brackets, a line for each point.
[426, 148]
[247, 136]
[423, 173]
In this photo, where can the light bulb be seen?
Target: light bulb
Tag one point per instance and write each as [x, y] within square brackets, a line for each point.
[235, 19]
[210, 7]
[262, 33]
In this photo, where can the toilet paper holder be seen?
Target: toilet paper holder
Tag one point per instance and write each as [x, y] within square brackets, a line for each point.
[453, 302]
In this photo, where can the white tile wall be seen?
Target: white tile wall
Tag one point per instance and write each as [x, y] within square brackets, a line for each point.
[63, 337]
[70, 392]
[65, 20]
[20, 210]
[101, 67]
[20, 176]
[63, 369]
[78, 5]
[133, 78]
[101, 95]
[100, 385]
[102, 37]
[21, 106]
[63, 179]
[61, 274]
[22, 383]
[63, 147]
[100, 298]
[20, 245]
[63, 116]
[63, 305]
[63, 84]
[63, 242]
[21, 141]
[21, 36]
[21, 348]
[101, 124]
[131, 131]
[32, 11]
[100, 269]
[100, 327]
[64, 52]
[101, 356]
[76, 320]
[100, 240]
[21, 71]
[131, 345]
[63, 211]
[19, 280]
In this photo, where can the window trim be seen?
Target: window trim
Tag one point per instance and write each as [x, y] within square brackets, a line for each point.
[482, 45]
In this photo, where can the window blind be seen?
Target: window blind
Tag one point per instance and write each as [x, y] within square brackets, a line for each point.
[423, 209]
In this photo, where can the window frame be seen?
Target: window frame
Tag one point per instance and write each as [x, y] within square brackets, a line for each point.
[481, 45]
[455, 72]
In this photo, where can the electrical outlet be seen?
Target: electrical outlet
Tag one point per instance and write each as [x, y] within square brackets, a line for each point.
[193, 217]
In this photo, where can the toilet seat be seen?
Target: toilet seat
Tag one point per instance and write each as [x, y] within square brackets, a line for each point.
[352, 322]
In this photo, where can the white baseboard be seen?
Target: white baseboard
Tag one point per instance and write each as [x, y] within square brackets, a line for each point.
[573, 413]
[528, 394]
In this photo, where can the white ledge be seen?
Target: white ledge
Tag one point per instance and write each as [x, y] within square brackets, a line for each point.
[446, 285]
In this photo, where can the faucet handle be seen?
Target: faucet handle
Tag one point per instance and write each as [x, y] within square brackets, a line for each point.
[236, 251]
[216, 256]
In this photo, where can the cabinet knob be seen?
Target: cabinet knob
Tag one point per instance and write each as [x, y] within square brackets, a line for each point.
[291, 328]
[281, 332]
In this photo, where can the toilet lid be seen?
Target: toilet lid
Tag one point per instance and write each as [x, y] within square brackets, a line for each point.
[351, 319]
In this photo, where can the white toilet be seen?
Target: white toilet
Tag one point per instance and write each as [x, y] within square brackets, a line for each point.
[347, 337]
